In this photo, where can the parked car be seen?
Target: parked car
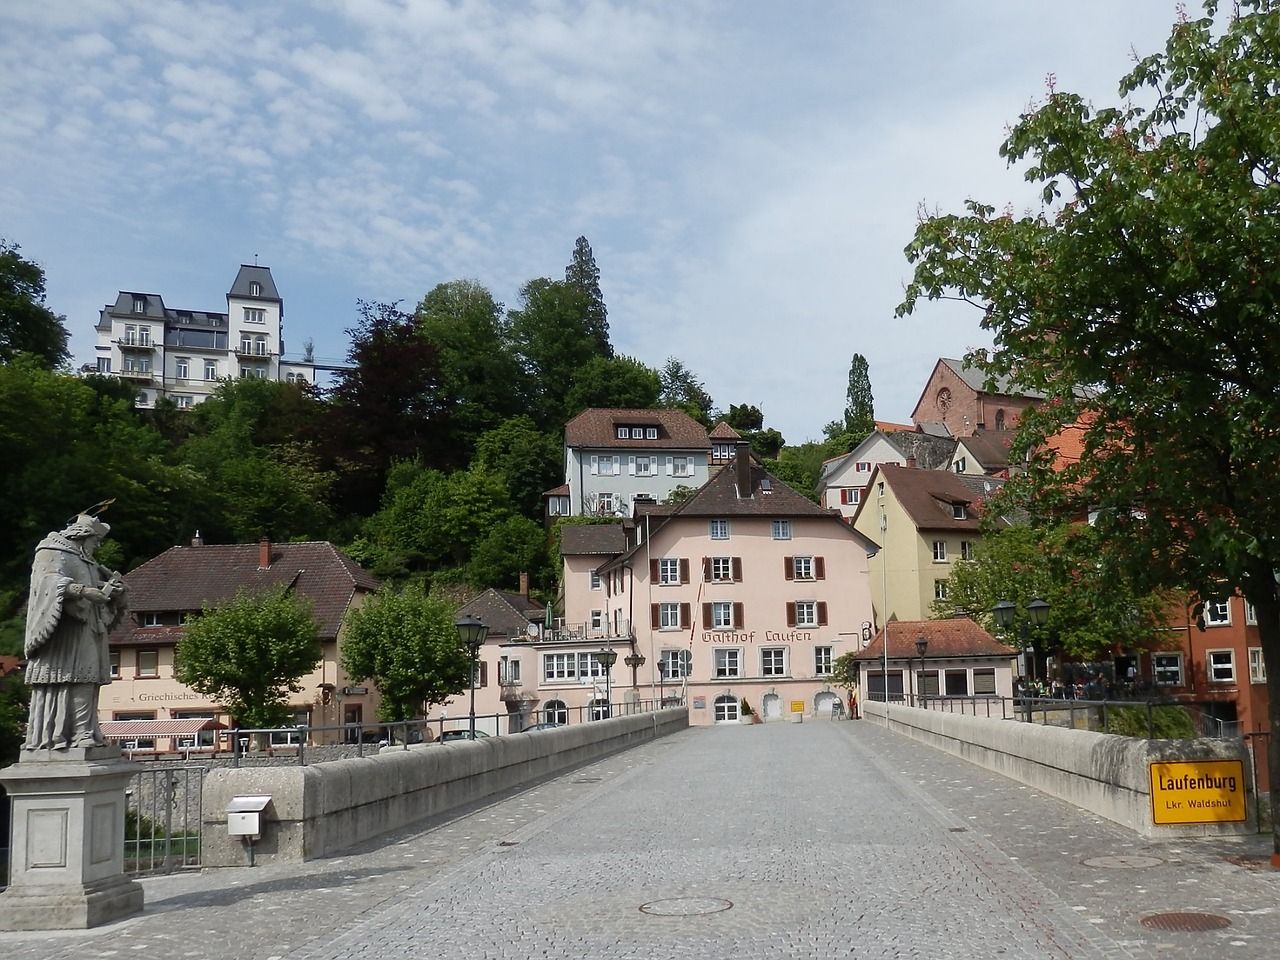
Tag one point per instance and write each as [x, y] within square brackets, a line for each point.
[542, 726]
[450, 735]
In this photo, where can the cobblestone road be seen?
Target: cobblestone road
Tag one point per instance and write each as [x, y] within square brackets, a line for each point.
[778, 840]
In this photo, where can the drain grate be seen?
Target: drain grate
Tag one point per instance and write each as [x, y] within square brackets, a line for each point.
[588, 780]
[1184, 922]
[958, 829]
[685, 907]
[1122, 861]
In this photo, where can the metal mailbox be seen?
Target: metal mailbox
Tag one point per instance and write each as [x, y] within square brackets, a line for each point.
[244, 816]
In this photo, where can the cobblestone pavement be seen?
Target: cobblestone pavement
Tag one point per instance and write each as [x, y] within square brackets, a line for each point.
[826, 839]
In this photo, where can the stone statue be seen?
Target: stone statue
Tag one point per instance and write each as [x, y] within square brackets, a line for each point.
[74, 603]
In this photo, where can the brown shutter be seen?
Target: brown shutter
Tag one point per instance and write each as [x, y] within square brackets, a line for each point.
[737, 569]
[684, 569]
[819, 568]
[791, 614]
[653, 571]
[737, 616]
[706, 569]
[789, 567]
[822, 613]
[655, 615]
[686, 614]
[706, 616]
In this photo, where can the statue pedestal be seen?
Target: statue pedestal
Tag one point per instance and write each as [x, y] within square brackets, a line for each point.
[67, 854]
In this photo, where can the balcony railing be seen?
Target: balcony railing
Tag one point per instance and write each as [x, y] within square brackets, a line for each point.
[563, 632]
[144, 376]
[125, 343]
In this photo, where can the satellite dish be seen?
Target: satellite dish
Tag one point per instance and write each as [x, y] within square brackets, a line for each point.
[531, 629]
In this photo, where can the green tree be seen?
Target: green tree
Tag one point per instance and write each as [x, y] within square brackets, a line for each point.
[1088, 612]
[26, 324]
[613, 382]
[14, 696]
[1141, 301]
[844, 673]
[528, 460]
[510, 547]
[583, 274]
[859, 414]
[681, 390]
[406, 645]
[249, 654]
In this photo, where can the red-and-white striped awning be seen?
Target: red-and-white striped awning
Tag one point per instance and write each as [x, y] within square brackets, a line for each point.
[140, 729]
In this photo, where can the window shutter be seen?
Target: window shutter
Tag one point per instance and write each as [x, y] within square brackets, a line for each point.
[706, 569]
[655, 616]
[595, 465]
[684, 569]
[706, 616]
[631, 465]
[737, 616]
[737, 569]
[671, 466]
[819, 568]
[789, 567]
[822, 613]
[686, 614]
[791, 614]
[653, 571]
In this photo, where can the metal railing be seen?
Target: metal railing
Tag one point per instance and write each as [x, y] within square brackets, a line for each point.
[162, 819]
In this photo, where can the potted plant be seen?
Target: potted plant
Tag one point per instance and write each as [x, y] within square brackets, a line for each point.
[745, 713]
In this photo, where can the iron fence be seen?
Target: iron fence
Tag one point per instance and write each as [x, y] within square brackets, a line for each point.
[162, 819]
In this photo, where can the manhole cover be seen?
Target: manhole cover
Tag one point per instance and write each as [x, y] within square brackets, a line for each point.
[685, 906]
[1184, 922]
[1122, 862]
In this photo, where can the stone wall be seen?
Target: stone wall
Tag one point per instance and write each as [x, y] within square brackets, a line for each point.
[322, 809]
[1105, 774]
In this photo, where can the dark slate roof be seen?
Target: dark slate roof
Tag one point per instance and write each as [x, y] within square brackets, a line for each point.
[506, 614]
[948, 639]
[930, 452]
[990, 448]
[718, 497]
[185, 578]
[248, 273]
[597, 428]
[592, 539]
[929, 496]
[976, 380]
[722, 431]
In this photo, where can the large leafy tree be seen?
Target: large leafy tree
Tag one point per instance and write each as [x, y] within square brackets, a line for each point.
[612, 382]
[529, 460]
[859, 413]
[1088, 615]
[681, 390]
[1142, 302]
[406, 645]
[248, 655]
[26, 324]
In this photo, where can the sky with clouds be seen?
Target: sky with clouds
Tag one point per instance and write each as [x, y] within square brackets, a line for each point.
[747, 172]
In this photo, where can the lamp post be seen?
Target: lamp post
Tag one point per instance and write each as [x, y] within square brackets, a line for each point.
[662, 678]
[1035, 615]
[606, 659]
[472, 633]
[922, 645]
[635, 661]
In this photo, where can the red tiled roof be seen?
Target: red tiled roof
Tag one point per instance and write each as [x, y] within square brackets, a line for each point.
[186, 578]
[722, 431]
[718, 497]
[957, 638]
[929, 496]
[592, 539]
[506, 614]
[597, 427]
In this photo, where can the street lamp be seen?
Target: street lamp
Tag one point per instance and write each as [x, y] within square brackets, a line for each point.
[1036, 615]
[606, 659]
[921, 646]
[635, 661]
[662, 678]
[472, 633]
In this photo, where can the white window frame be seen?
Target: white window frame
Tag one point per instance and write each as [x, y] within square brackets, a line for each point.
[719, 529]
[182, 368]
[966, 550]
[152, 619]
[255, 315]
[939, 551]
[823, 661]
[669, 571]
[722, 569]
[806, 613]
[726, 709]
[940, 588]
[959, 511]
[1250, 614]
[1220, 665]
[675, 664]
[726, 662]
[802, 568]
[154, 654]
[651, 433]
[780, 529]
[1166, 664]
[597, 620]
[559, 667]
[623, 433]
[596, 582]
[773, 662]
[509, 672]
[1257, 666]
[1217, 613]
[862, 466]
[211, 369]
[721, 615]
[682, 466]
[604, 503]
[139, 304]
[669, 616]
[646, 466]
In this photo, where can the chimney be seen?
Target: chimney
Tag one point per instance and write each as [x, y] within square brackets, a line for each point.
[197, 540]
[524, 584]
[742, 469]
[264, 553]
[911, 463]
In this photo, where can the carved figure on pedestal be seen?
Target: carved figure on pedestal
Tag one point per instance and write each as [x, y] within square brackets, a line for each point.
[74, 603]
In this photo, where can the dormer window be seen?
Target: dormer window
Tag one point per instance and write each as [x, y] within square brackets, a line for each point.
[255, 288]
[651, 433]
[959, 511]
[637, 433]
[139, 304]
[624, 432]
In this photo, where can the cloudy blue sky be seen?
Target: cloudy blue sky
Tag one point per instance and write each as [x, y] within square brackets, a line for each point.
[747, 172]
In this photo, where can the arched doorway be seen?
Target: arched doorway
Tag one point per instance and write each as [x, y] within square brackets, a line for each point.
[726, 708]
[823, 701]
[555, 711]
[771, 706]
